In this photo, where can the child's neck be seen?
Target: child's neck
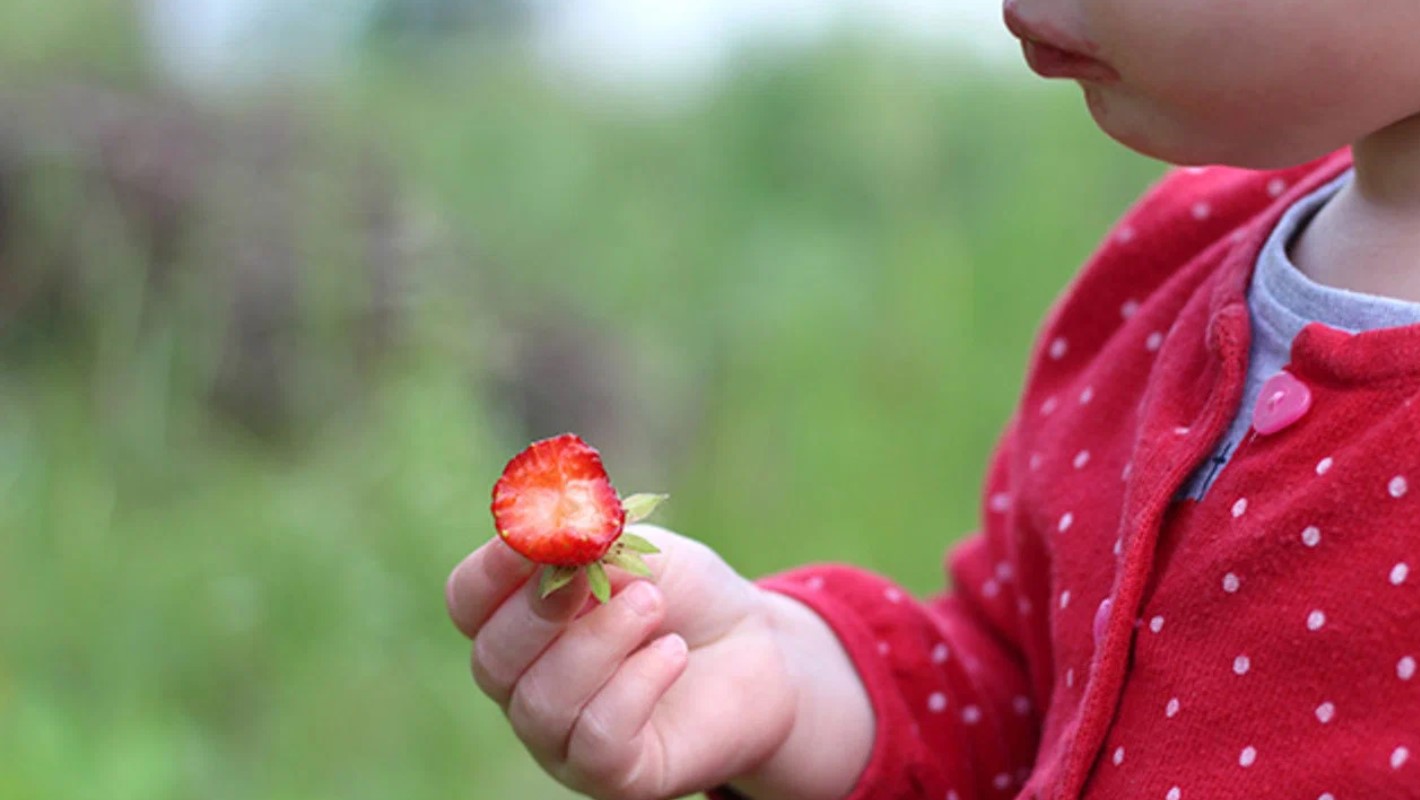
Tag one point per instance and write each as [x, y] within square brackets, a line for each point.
[1367, 238]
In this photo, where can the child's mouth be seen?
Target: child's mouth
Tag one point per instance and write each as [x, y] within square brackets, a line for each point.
[1052, 62]
[1052, 53]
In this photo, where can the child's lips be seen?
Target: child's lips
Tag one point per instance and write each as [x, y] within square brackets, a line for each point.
[1052, 54]
[1049, 61]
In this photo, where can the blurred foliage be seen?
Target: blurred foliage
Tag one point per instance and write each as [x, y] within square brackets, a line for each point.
[443, 18]
[802, 305]
[75, 37]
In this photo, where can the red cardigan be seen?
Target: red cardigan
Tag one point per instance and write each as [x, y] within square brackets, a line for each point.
[1104, 640]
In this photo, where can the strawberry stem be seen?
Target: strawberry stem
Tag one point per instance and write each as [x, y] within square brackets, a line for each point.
[640, 506]
[636, 544]
[554, 578]
[629, 561]
[597, 579]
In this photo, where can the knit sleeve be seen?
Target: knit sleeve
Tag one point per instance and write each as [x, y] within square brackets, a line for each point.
[947, 679]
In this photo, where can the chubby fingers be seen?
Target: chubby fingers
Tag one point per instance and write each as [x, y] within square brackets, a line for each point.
[613, 750]
[482, 582]
[518, 631]
[552, 691]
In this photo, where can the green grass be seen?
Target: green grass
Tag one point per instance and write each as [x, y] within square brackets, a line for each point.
[824, 281]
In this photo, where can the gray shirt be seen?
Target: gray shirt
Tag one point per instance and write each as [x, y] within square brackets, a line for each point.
[1282, 301]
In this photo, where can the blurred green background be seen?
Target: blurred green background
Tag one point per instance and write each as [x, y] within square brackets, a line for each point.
[265, 346]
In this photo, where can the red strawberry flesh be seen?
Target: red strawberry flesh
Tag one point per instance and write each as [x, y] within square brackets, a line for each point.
[556, 505]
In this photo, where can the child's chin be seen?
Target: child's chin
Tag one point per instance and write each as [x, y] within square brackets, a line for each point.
[1138, 130]
[1147, 130]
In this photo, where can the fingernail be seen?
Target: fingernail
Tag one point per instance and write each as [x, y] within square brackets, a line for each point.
[671, 645]
[641, 596]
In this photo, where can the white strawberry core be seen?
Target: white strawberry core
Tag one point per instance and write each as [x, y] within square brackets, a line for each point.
[572, 510]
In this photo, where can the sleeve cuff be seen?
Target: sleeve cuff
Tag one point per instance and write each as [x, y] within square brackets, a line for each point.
[895, 756]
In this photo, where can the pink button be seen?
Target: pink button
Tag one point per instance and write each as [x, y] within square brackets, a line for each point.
[1284, 400]
[1102, 618]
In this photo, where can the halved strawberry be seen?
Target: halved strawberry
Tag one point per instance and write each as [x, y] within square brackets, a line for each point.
[555, 505]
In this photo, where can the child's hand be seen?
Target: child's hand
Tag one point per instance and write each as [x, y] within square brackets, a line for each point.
[724, 691]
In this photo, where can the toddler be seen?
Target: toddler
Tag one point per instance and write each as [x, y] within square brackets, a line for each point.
[1193, 579]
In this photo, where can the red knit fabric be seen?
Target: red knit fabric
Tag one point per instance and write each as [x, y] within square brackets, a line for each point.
[1260, 643]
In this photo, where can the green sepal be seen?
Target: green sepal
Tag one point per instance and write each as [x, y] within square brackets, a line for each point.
[597, 579]
[640, 506]
[629, 561]
[554, 578]
[636, 544]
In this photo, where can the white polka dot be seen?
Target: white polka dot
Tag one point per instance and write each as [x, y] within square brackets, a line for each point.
[1240, 507]
[1201, 211]
[971, 715]
[1325, 712]
[1316, 620]
[1231, 583]
[936, 702]
[1242, 664]
[1004, 571]
[1238, 235]
[1081, 459]
[990, 588]
[1058, 348]
[1276, 187]
[1247, 757]
[1023, 605]
[892, 595]
[1126, 472]
[1324, 466]
[952, 795]
[1405, 668]
[1182, 430]
[1070, 678]
[815, 583]
[940, 653]
[1154, 342]
[1118, 546]
[1195, 170]
[1087, 395]
[883, 648]
[1156, 624]
[1171, 710]
[1035, 461]
[1398, 486]
[1021, 704]
[1066, 520]
[1118, 756]
[1048, 407]
[1126, 234]
[1398, 757]
[1311, 536]
[1065, 598]
[1326, 796]
[1398, 573]
[1002, 781]
[1000, 502]
[1174, 794]
[1129, 309]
